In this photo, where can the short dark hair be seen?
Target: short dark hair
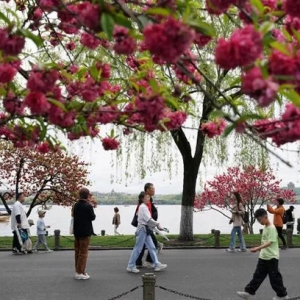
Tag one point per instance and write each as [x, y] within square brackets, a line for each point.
[260, 213]
[116, 209]
[19, 195]
[141, 197]
[84, 193]
[147, 186]
[280, 201]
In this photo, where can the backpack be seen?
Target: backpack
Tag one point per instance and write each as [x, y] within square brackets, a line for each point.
[285, 218]
[246, 217]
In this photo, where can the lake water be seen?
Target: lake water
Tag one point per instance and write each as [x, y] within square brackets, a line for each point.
[169, 216]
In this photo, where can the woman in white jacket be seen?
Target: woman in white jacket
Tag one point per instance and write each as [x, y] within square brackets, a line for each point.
[145, 225]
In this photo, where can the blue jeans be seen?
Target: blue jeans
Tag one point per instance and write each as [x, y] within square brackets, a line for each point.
[237, 230]
[141, 239]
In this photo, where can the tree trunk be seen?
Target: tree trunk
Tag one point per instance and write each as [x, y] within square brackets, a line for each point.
[188, 196]
[5, 204]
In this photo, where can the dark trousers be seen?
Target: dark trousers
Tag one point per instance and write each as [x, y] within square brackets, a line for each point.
[81, 253]
[16, 243]
[264, 268]
[139, 261]
[280, 235]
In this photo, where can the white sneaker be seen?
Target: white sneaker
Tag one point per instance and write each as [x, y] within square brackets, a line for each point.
[148, 265]
[281, 298]
[242, 250]
[160, 247]
[244, 295]
[230, 250]
[160, 267]
[132, 270]
[82, 277]
[49, 251]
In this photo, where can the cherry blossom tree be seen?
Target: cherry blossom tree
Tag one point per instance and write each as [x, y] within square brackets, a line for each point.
[75, 66]
[257, 187]
[44, 177]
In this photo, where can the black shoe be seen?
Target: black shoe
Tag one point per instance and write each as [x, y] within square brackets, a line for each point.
[15, 251]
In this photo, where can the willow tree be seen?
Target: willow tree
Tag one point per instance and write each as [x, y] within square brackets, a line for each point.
[195, 57]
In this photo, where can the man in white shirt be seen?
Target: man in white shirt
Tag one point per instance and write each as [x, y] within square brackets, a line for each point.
[18, 221]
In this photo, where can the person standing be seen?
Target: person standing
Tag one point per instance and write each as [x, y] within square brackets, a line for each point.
[149, 190]
[116, 220]
[146, 224]
[83, 214]
[41, 230]
[278, 213]
[19, 222]
[237, 221]
[267, 263]
[290, 218]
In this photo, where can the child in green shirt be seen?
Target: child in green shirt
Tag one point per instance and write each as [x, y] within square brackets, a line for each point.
[268, 261]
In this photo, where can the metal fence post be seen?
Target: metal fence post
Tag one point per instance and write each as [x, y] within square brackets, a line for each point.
[56, 239]
[289, 235]
[149, 280]
[217, 238]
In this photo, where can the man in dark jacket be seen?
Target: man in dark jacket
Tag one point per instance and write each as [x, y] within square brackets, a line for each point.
[290, 218]
[83, 214]
[149, 190]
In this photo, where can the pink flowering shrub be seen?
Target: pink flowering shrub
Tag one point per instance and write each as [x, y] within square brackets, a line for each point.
[212, 129]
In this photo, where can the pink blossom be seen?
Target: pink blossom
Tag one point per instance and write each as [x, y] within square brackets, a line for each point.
[283, 67]
[37, 102]
[43, 147]
[107, 114]
[89, 41]
[13, 45]
[61, 118]
[292, 23]
[218, 7]
[38, 13]
[13, 105]
[212, 129]
[7, 72]
[175, 119]
[292, 7]
[242, 49]
[202, 40]
[70, 46]
[89, 15]
[104, 68]
[264, 90]
[169, 40]
[110, 143]
[49, 5]
[42, 81]
[124, 43]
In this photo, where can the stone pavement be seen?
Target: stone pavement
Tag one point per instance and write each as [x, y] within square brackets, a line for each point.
[210, 274]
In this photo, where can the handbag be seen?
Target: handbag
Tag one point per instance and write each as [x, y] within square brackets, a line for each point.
[134, 221]
[71, 230]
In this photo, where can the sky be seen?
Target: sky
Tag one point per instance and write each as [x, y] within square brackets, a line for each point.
[102, 171]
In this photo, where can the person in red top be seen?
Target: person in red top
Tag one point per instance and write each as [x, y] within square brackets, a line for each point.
[149, 190]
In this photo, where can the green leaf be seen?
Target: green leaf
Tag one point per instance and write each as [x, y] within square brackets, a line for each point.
[154, 85]
[107, 23]
[57, 103]
[293, 96]
[202, 27]
[228, 130]
[4, 18]
[94, 73]
[112, 133]
[217, 114]
[266, 27]
[280, 47]
[172, 103]
[122, 20]
[258, 4]
[158, 11]
[144, 20]
[35, 38]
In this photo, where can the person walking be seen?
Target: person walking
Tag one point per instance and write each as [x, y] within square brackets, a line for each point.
[83, 214]
[146, 224]
[290, 218]
[19, 223]
[267, 262]
[41, 230]
[278, 213]
[237, 221]
[149, 190]
[116, 220]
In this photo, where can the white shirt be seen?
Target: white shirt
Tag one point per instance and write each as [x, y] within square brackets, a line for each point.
[18, 209]
[143, 214]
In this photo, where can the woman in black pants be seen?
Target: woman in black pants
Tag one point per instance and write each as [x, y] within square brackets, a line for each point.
[278, 213]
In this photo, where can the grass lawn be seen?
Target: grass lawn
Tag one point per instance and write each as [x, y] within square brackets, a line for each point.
[124, 241]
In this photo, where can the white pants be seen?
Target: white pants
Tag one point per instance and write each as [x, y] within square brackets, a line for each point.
[116, 230]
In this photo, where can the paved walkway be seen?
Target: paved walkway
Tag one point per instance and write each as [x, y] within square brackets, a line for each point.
[211, 274]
